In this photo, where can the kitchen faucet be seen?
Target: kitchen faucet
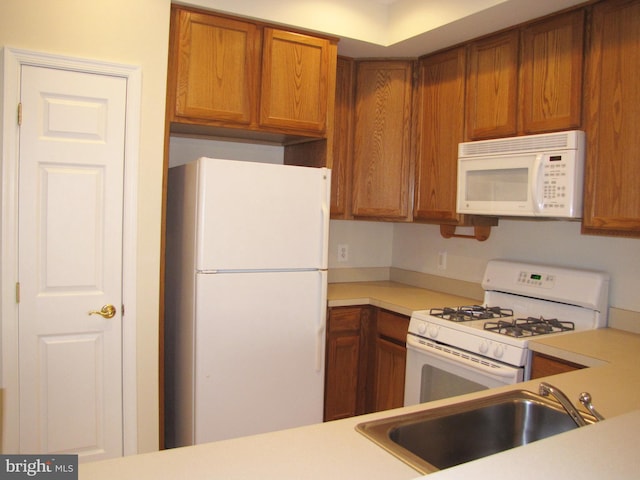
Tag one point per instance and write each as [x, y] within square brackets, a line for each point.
[546, 390]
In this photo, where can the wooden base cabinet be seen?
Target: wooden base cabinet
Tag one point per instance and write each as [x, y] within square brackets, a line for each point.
[389, 375]
[365, 361]
[544, 366]
[387, 389]
[346, 362]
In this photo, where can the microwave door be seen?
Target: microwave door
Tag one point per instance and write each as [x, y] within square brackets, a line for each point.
[497, 185]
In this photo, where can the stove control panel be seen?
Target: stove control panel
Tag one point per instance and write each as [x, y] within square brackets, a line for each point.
[536, 279]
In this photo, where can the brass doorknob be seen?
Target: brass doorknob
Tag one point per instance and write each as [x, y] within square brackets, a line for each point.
[107, 311]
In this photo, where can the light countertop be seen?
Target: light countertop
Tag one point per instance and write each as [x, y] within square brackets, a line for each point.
[335, 450]
[393, 296]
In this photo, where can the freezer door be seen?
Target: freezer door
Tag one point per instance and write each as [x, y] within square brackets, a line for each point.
[259, 359]
[261, 216]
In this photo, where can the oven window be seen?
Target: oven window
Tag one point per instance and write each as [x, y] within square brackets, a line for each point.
[437, 384]
[501, 185]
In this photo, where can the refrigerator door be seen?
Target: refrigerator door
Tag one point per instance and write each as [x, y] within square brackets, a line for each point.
[259, 360]
[255, 216]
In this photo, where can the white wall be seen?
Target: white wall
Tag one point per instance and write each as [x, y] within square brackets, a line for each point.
[369, 243]
[135, 33]
[416, 247]
[186, 149]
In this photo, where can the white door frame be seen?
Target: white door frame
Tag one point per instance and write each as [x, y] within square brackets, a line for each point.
[11, 61]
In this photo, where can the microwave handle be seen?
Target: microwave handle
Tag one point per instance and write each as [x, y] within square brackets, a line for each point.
[537, 184]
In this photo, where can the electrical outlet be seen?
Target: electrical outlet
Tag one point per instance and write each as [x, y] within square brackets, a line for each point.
[343, 252]
[442, 260]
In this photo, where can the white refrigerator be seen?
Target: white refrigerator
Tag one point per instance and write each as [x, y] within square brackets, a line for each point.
[245, 302]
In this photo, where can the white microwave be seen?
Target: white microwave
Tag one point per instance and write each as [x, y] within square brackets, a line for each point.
[528, 176]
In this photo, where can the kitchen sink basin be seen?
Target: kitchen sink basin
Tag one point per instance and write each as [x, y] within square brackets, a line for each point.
[443, 437]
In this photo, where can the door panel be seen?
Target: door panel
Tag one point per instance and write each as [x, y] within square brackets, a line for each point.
[70, 262]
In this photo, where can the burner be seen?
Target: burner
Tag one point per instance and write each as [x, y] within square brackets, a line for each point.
[527, 327]
[469, 313]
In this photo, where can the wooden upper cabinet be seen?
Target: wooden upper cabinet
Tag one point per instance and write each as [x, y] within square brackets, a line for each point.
[216, 67]
[551, 74]
[440, 127]
[612, 193]
[342, 139]
[295, 73]
[492, 86]
[382, 141]
[235, 76]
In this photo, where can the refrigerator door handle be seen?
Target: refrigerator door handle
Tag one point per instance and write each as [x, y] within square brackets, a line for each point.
[322, 323]
[326, 212]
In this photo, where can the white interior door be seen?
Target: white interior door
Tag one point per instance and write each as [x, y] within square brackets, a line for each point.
[70, 262]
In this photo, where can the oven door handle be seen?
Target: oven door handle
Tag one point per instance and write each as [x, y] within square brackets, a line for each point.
[454, 355]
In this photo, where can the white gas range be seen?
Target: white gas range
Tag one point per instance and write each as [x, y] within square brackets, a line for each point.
[460, 349]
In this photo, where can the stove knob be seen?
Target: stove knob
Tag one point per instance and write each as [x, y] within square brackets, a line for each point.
[422, 328]
[498, 351]
[433, 331]
[484, 346]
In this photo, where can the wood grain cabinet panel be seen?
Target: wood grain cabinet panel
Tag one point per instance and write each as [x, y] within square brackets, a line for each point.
[387, 386]
[440, 127]
[346, 362]
[544, 366]
[389, 375]
[551, 73]
[382, 141]
[216, 62]
[242, 79]
[343, 139]
[612, 192]
[492, 86]
[295, 81]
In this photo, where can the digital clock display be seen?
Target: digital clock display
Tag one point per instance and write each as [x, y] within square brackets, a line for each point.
[536, 276]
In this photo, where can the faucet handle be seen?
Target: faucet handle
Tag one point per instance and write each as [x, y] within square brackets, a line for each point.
[585, 399]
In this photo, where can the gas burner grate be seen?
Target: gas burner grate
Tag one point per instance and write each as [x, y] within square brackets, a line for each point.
[470, 313]
[528, 327]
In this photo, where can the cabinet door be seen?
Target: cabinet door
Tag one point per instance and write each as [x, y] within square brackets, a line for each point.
[216, 68]
[551, 91]
[389, 375]
[390, 359]
[492, 87]
[440, 106]
[342, 139]
[382, 140]
[612, 196]
[295, 81]
[345, 374]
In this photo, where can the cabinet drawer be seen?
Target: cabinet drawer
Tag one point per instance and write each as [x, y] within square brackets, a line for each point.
[344, 319]
[393, 325]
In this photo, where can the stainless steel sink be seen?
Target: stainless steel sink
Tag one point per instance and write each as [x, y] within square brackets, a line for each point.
[442, 437]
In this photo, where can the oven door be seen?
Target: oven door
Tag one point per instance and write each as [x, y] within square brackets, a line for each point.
[435, 371]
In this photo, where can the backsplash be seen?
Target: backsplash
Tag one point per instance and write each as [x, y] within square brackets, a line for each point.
[419, 248]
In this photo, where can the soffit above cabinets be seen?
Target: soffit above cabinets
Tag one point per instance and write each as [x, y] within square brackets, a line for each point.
[391, 28]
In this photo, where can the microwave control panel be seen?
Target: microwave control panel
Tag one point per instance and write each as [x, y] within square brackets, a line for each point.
[557, 181]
